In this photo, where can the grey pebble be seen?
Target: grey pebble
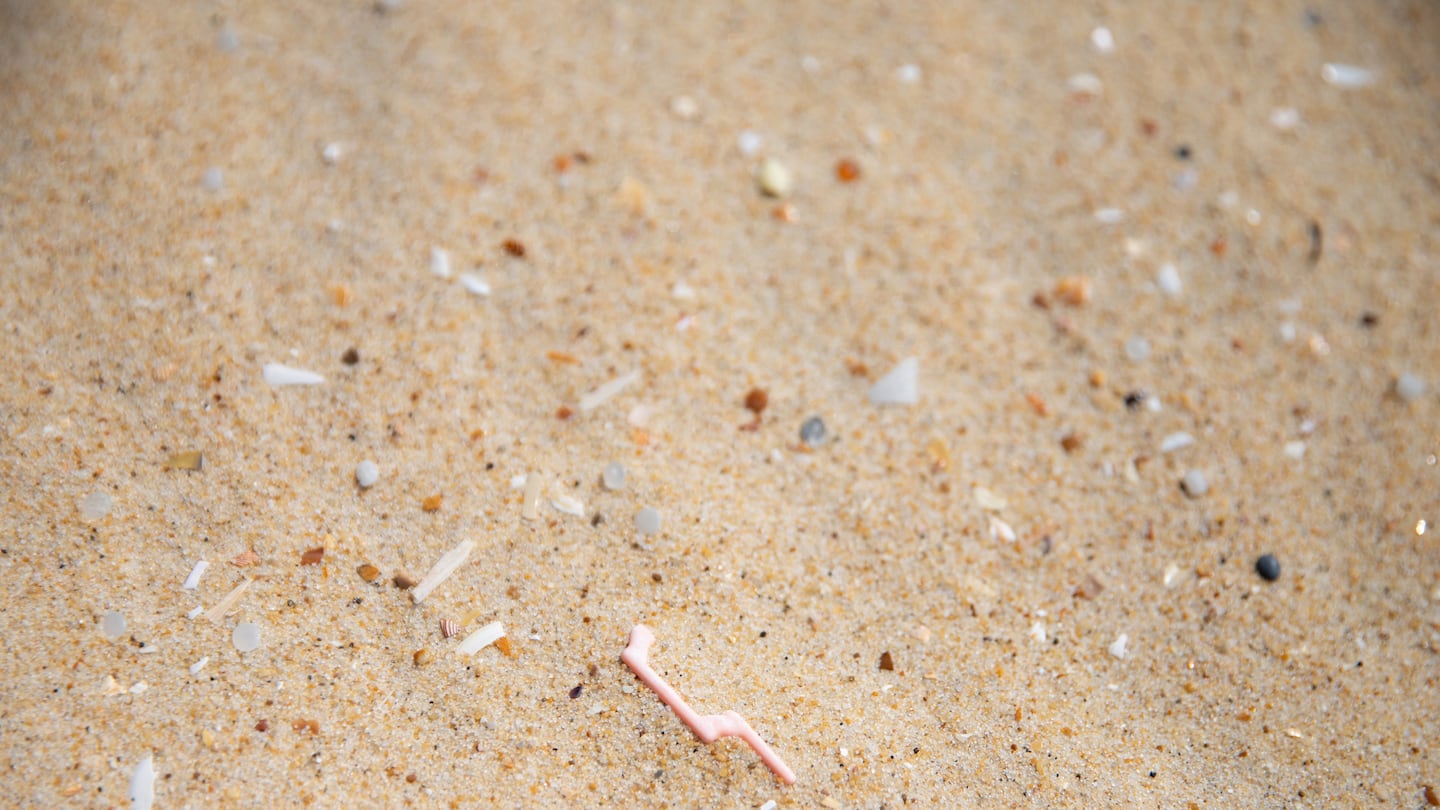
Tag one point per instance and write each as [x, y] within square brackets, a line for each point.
[614, 476]
[1194, 484]
[812, 433]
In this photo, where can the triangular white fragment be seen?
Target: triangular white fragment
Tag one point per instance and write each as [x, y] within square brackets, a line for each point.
[439, 262]
[900, 387]
[277, 374]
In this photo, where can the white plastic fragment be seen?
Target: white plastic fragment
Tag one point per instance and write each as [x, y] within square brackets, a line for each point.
[749, 142]
[194, 612]
[1103, 40]
[214, 179]
[1171, 575]
[1409, 387]
[900, 387]
[530, 501]
[193, 581]
[1085, 84]
[279, 374]
[96, 505]
[647, 520]
[1176, 441]
[1137, 348]
[770, 805]
[683, 291]
[1117, 648]
[1284, 118]
[606, 392]
[331, 153]
[442, 569]
[1194, 484]
[474, 284]
[1037, 632]
[142, 784]
[1168, 280]
[1110, 216]
[367, 473]
[246, 637]
[908, 74]
[113, 624]
[614, 476]
[481, 638]
[568, 505]
[684, 108]
[987, 499]
[774, 178]
[224, 606]
[1342, 75]
[440, 262]
[1295, 449]
[1000, 530]
[199, 665]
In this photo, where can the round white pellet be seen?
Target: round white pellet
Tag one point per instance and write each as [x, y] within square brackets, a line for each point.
[113, 624]
[647, 521]
[1410, 387]
[246, 637]
[774, 178]
[1168, 279]
[214, 179]
[1137, 348]
[614, 476]
[366, 474]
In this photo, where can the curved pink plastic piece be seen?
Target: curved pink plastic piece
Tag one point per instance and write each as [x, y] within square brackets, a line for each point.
[708, 727]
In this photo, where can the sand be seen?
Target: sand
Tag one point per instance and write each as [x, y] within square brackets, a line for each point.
[926, 609]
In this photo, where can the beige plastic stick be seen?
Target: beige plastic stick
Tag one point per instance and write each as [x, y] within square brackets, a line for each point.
[709, 727]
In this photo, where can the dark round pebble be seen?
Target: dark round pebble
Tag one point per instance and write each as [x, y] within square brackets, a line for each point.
[1268, 567]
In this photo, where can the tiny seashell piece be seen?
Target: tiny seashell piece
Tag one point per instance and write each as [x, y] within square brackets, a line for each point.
[449, 628]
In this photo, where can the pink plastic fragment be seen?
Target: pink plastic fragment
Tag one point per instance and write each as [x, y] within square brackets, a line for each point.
[708, 728]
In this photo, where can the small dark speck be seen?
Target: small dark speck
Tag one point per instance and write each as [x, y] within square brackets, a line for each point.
[764, 633]
[575, 693]
[1183, 151]
[597, 519]
[1152, 774]
[1134, 400]
[1369, 320]
[351, 356]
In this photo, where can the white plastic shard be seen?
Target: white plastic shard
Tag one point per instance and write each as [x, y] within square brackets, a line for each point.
[442, 569]
[482, 638]
[474, 284]
[193, 581]
[1176, 441]
[278, 374]
[440, 262]
[142, 784]
[900, 387]
[606, 392]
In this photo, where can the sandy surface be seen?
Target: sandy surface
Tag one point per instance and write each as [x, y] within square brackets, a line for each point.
[140, 305]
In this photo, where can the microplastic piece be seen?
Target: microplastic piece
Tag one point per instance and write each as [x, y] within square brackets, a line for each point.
[1168, 280]
[1103, 40]
[606, 392]
[246, 637]
[199, 665]
[909, 74]
[900, 387]
[708, 728]
[474, 284]
[366, 474]
[1194, 484]
[1176, 441]
[442, 569]
[440, 262]
[142, 785]
[96, 505]
[774, 178]
[1347, 75]
[614, 476]
[193, 581]
[213, 180]
[278, 374]
[1117, 648]
[749, 142]
[480, 639]
[1409, 387]
[113, 624]
[1137, 349]
[647, 520]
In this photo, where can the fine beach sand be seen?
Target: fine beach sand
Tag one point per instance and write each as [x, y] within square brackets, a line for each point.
[1019, 190]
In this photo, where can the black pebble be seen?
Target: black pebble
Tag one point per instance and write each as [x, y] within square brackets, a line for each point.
[1134, 400]
[1268, 568]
